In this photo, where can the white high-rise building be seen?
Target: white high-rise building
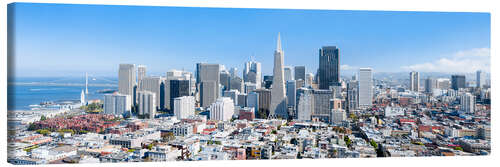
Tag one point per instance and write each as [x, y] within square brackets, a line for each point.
[305, 104]
[309, 79]
[141, 73]
[278, 99]
[352, 95]
[152, 84]
[467, 103]
[253, 73]
[126, 79]
[480, 79]
[288, 73]
[117, 104]
[147, 104]
[222, 109]
[82, 99]
[365, 87]
[414, 81]
[184, 107]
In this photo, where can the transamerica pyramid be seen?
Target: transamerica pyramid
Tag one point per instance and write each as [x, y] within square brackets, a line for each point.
[278, 98]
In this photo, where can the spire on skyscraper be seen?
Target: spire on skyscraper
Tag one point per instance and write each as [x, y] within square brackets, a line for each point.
[278, 102]
[278, 47]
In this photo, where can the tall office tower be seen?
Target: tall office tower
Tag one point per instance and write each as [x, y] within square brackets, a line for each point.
[178, 88]
[457, 82]
[117, 104]
[153, 84]
[480, 79]
[225, 79]
[352, 95]
[291, 92]
[86, 83]
[467, 103]
[126, 79]
[242, 100]
[253, 101]
[177, 75]
[236, 83]
[288, 73]
[329, 62]
[141, 73]
[278, 99]
[147, 104]
[253, 73]
[268, 81]
[309, 79]
[321, 104]
[443, 83]
[414, 81]
[162, 101]
[82, 98]
[300, 72]
[184, 107]
[208, 77]
[365, 87]
[305, 104]
[222, 109]
[430, 84]
[233, 72]
[208, 92]
[233, 94]
[264, 103]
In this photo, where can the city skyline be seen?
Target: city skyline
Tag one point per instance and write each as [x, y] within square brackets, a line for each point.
[231, 107]
[410, 51]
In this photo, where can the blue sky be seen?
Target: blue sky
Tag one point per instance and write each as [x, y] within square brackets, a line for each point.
[68, 40]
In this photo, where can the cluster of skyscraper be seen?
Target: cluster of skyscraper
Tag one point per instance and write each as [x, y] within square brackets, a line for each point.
[457, 83]
[290, 93]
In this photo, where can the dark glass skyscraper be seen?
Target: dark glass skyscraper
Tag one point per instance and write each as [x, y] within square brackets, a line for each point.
[300, 72]
[457, 82]
[328, 72]
[178, 88]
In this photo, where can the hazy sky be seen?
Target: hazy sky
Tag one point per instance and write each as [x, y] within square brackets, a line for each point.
[68, 40]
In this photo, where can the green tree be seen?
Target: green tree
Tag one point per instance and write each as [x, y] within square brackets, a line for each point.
[374, 144]
[347, 141]
[43, 118]
[31, 127]
[43, 131]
